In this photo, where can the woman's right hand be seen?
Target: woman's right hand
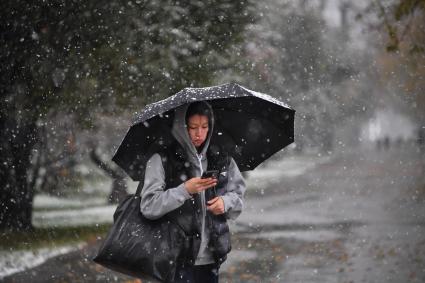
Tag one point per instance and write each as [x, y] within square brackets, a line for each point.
[197, 184]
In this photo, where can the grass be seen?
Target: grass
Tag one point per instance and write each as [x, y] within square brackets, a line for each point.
[51, 237]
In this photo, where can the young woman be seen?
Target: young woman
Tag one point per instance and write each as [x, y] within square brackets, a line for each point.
[174, 187]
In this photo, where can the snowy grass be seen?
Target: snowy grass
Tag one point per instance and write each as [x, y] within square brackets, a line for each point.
[63, 223]
[23, 250]
[275, 170]
[16, 261]
[43, 202]
[50, 237]
[74, 217]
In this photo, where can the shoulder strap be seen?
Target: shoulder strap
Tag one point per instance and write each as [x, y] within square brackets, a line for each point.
[141, 182]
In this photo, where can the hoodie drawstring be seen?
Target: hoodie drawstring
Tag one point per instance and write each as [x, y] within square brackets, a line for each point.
[199, 156]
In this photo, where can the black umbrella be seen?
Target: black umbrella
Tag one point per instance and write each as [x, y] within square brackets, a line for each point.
[250, 125]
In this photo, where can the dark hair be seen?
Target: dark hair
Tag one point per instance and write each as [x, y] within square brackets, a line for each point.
[198, 108]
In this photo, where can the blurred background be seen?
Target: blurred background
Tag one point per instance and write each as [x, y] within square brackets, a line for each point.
[75, 73]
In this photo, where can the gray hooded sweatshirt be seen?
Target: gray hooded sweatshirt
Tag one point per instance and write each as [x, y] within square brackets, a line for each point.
[156, 201]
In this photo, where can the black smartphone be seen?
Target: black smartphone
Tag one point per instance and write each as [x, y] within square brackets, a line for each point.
[210, 174]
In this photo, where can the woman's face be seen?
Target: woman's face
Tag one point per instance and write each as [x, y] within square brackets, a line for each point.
[197, 127]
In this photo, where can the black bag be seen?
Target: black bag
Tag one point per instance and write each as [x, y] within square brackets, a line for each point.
[141, 247]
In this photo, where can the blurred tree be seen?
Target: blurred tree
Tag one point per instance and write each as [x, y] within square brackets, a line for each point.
[404, 21]
[119, 185]
[401, 64]
[85, 57]
[55, 156]
[404, 66]
[294, 55]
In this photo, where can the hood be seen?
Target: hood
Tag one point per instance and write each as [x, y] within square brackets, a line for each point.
[180, 133]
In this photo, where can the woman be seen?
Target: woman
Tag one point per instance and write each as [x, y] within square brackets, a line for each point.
[173, 187]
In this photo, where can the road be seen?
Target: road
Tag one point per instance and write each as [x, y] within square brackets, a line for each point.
[355, 216]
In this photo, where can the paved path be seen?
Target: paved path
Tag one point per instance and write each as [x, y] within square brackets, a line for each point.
[354, 217]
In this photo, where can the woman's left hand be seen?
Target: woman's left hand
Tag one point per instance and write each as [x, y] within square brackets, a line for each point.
[216, 205]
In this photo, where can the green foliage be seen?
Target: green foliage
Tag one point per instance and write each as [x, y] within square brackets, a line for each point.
[400, 20]
[407, 7]
[75, 55]
[416, 49]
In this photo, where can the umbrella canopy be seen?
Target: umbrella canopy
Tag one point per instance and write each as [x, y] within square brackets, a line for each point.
[249, 125]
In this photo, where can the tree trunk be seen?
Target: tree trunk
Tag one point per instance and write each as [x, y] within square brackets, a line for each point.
[119, 184]
[16, 195]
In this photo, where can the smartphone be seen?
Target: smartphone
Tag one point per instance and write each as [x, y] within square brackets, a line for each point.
[210, 174]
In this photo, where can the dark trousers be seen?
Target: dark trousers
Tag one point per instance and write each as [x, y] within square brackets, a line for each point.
[197, 274]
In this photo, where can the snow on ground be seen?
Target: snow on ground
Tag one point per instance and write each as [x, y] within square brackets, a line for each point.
[16, 261]
[43, 201]
[287, 167]
[72, 217]
[56, 212]
[19, 260]
[277, 209]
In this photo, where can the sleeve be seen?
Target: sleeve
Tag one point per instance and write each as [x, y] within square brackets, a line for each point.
[155, 201]
[235, 191]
